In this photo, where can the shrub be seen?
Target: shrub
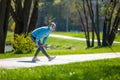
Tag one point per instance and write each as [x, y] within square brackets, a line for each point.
[23, 44]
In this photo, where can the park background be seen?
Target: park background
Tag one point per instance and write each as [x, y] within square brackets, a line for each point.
[98, 21]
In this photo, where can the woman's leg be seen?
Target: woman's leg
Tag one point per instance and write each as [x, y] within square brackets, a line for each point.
[44, 51]
[37, 51]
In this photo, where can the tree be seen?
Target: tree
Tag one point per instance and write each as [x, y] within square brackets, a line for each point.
[22, 13]
[111, 22]
[89, 5]
[4, 16]
[83, 11]
[97, 24]
[34, 16]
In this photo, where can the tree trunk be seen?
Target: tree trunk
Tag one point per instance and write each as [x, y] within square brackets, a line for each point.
[110, 24]
[26, 15]
[105, 28]
[34, 17]
[77, 7]
[18, 17]
[21, 15]
[115, 28]
[104, 38]
[97, 24]
[4, 15]
[111, 16]
[89, 4]
[86, 19]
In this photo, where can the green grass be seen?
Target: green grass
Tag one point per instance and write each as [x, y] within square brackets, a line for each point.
[108, 69]
[10, 36]
[77, 47]
[117, 38]
[74, 34]
[64, 47]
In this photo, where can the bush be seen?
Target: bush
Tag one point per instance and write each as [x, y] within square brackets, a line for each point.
[23, 44]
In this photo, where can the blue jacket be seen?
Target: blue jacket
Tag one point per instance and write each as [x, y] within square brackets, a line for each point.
[42, 32]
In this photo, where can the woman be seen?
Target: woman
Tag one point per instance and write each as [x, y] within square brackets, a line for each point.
[37, 34]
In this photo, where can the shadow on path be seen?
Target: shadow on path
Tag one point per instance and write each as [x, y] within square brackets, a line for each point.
[26, 61]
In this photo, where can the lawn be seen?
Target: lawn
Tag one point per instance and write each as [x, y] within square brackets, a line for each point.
[108, 69]
[64, 47]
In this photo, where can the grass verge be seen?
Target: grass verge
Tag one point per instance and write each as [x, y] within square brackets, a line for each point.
[108, 69]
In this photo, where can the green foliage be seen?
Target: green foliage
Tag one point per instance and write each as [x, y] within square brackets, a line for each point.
[103, 9]
[23, 44]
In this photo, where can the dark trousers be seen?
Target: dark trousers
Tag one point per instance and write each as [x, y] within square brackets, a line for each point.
[41, 48]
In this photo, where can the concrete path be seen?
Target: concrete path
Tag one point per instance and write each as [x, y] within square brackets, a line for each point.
[73, 38]
[12, 63]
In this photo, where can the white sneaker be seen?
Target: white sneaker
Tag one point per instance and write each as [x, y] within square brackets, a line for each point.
[37, 59]
[51, 58]
[34, 60]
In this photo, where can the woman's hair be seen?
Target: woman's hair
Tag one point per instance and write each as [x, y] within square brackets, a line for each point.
[53, 24]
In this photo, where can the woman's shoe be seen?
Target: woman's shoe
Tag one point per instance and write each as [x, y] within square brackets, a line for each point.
[33, 60]
[51, 58]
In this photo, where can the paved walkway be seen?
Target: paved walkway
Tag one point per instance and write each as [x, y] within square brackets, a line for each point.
[11, 63]
[73, 38]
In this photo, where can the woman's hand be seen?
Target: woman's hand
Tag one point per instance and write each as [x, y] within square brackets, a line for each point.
[40, 45]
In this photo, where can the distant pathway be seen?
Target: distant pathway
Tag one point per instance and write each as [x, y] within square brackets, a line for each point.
[73, 38]
[12, 63]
